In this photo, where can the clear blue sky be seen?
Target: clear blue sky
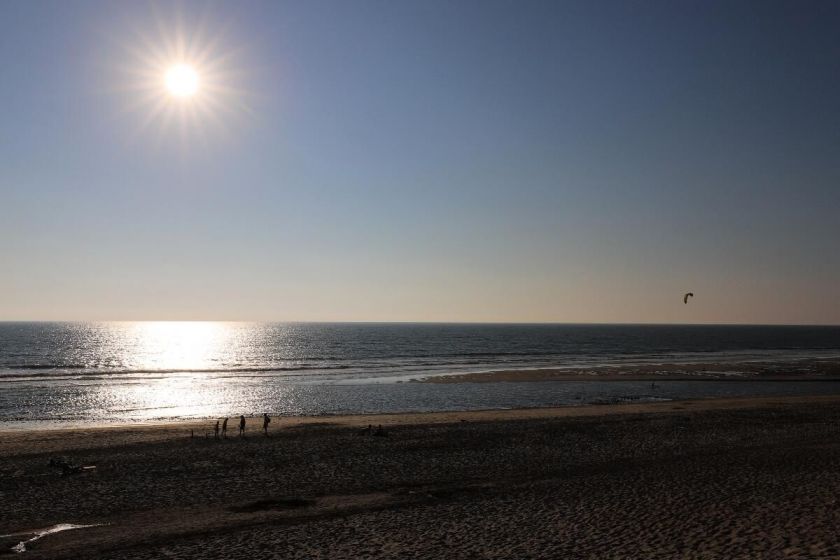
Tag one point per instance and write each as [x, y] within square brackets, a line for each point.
[443, 161]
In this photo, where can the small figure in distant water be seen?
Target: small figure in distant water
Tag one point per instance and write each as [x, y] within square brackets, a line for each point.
[266, 421]
[216, 430]
[241, 426]
[224, 428]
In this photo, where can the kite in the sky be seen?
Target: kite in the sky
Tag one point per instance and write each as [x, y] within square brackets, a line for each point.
[686, 296]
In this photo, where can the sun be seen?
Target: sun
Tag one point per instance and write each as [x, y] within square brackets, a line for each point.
[181, 80]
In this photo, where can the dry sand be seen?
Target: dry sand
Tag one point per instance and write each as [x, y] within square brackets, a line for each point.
[735, 478]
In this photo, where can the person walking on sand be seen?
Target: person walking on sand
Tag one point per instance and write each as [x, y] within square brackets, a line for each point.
[216, 431]
[224, 428]
[241, 426]
[266, 421]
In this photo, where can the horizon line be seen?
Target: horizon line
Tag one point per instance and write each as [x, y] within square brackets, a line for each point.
[364, 322]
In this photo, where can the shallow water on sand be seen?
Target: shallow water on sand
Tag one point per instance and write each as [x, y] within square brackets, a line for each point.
[167, 400]
[38, 534]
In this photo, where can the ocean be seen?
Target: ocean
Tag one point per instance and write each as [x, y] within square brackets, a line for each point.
[107, 373]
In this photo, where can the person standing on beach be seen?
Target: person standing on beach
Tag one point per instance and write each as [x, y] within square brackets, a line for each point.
[241, 426]
[224, 428]
[266, 421]
[216, 431]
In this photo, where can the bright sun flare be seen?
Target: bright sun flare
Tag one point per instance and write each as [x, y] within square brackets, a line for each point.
[182, 80]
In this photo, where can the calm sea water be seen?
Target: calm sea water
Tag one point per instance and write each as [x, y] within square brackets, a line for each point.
[116, 372]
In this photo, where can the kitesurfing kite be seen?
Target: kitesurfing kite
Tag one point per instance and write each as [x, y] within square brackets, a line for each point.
[686, 296]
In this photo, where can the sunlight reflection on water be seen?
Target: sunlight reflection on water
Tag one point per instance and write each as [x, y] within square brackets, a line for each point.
[178, 345]
[125, 372]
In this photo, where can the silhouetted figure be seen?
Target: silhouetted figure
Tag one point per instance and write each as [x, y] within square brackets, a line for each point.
[266, 422]
[241, 426]
[224, 428]
[216, 430]
[366, 431]
[380, 432]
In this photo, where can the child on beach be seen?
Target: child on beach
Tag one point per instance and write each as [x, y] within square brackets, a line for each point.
[224, 428]
[266, 421]
[241, 426]
[216, 431]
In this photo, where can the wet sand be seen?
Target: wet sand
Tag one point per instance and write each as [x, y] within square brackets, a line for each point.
[827, 369]
[734, 478]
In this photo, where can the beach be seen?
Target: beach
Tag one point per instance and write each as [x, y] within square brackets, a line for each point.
[722, 478]
[419, 280]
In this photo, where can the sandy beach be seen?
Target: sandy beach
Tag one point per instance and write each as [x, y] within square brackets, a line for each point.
[549, 280]
[736, 478]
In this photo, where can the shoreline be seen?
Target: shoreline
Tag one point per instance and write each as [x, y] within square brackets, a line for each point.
[97, 435]
[8, 427]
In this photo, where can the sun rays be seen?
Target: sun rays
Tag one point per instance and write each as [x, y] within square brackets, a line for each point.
[181, 79]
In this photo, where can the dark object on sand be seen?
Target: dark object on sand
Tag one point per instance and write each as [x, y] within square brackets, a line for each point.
[68, 468]
[366, 431]
[380, 432]
[686, 296]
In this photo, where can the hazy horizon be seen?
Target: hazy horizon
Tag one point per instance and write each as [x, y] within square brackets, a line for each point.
[486, 323]
[469, 162]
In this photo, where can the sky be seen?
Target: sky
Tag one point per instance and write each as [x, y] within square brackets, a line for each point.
[499, 161]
